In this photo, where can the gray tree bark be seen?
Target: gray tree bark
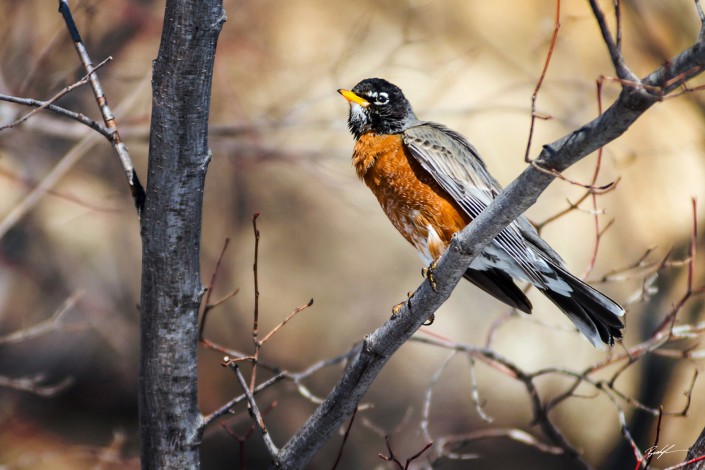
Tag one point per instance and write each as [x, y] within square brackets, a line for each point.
[697, 450]
[171, 234]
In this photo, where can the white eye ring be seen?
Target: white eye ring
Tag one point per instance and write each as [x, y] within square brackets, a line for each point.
[382, 98]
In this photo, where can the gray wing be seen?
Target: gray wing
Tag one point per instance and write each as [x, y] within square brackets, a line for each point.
[457, 167]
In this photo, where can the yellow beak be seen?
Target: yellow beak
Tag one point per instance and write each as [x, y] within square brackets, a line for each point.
[353, 98]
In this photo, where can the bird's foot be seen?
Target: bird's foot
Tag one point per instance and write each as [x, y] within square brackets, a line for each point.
[430, 320]
[398, 306]
[428, 274]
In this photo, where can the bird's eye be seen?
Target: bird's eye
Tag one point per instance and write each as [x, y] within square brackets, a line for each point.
[382, 98]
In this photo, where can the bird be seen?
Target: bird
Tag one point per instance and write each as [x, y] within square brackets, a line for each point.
[431, 182]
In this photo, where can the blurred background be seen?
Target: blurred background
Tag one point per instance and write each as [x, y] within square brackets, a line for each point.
[281, 147]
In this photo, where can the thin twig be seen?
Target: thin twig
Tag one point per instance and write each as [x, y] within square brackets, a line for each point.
[614, 49]
[345, 439]
[226, 408]
[209, 291]
[698, 6]
[66, 90]
[534, 95]
[257, 416]
[598, 166]
[656, 439]
[35, 385]
[297, 310]
[47, 326]
[136, 188]
[517, 435]
[513, 371]
[393, 458]
[598, 189]
[73, 156]
[686, 464]
[428, 397]
[255, 326]
[28, 183]
[475, 393]
[242, 439]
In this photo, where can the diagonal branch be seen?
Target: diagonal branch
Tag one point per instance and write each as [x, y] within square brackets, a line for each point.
[614, 47]
[53, 99]
[96, 126]
[136, 188]
[521, 194]
[254, 410]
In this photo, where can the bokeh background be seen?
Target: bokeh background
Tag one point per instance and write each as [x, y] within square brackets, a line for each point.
[281, 147]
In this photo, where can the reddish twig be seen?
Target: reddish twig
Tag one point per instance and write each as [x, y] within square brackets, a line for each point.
[297, 310]
[242, 439]
[690, 290]
[393, 458]
[656, 440]
[345, 439]
[256, 415]
[255, 325]
[207, 306]
[598, 165]
[534, 95]
[598, 189]
[687, 464]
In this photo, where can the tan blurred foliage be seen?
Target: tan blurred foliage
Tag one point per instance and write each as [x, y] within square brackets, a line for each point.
[281, 147]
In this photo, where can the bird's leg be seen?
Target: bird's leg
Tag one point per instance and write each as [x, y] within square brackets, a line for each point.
[428, 274]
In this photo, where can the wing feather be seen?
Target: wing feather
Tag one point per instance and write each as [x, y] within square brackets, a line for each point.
[458, 168]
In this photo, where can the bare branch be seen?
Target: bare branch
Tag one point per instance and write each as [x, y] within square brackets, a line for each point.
[255, 325]
[209, 291]
[96, 126]
[257, 416]
[297, 310]
[55, 323]
[66, 90]
[227, 408]
[475, 393]
[395, 460]
[35, 385]
[345, 439]
[136, 188]
[613, 47]
[534, 95]
[428, 397]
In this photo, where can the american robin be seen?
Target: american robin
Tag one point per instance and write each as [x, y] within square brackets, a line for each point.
[431, 182]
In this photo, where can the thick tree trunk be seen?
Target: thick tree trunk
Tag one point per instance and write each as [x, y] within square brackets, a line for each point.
[171, 232]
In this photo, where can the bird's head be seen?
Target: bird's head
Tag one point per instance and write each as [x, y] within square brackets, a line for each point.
[378, 106]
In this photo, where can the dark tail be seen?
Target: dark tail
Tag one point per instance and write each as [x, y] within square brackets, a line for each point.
[595, 314]
[500, 285]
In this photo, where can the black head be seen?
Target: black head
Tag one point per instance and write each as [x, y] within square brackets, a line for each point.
[378, 106]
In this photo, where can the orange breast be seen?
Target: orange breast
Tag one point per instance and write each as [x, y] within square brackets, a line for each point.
[408, 194]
